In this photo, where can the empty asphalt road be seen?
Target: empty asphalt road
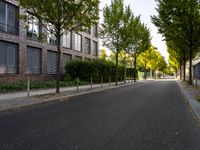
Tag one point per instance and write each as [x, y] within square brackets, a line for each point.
[146, 116]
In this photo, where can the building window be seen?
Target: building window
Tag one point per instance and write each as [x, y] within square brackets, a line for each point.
[51, 38]
[78, 58]
[33, 28]
[95, 30]
[66, 59]
[87, 46]
[51, 62]
[33, 60]
[8, 58]
[67, 40]
[8, 18]
[95, 48]
[78, 42]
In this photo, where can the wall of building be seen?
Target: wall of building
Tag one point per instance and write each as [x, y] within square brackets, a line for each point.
[22, 42]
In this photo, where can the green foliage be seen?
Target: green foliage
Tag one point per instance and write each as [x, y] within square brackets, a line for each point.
[95, 69]
[103, 55]
[152, 59]
[116, 19]
[179, 22]
[131, 73]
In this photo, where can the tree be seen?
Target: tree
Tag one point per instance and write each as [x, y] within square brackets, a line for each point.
[138, 39]
[179, 22]
[174, 63]
[63, 16]
[151, 60]
[116, 18]
[177, 58]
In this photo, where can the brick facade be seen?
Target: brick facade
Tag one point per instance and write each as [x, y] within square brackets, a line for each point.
[23, 42]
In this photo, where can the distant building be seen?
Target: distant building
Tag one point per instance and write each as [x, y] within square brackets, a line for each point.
[23, 52]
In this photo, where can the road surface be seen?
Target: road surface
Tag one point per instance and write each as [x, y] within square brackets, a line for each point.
[145, 116]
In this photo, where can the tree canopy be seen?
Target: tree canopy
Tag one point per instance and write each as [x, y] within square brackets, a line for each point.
[121, 30]
[151, 59]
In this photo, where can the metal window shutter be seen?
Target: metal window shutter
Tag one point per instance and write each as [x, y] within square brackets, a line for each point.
[28, 60]
[2, 16]
[33, 60]
[11, 23]
[36, 61]
[11, 59]
[51, 62]
[2, 58]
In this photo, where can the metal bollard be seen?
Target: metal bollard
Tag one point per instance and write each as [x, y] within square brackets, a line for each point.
[28, 86]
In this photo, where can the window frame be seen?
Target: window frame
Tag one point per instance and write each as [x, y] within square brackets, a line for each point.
[40, 61]
[77, 42]
[16, 46]
[47, 71]
[86, 50]
[67, 34]
[95, 48]
[6, 24]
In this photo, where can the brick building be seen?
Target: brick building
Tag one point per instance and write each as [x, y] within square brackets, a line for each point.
[24, 53]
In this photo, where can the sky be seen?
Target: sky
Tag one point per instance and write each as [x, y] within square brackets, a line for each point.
[144, 8]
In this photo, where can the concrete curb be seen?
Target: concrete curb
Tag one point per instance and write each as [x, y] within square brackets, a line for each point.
[192, 101]
[13, 104]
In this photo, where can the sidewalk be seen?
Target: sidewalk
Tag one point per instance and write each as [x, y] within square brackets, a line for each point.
[17, 100]
[192, 95]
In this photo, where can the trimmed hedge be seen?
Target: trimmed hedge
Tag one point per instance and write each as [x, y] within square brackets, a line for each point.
[96, 69]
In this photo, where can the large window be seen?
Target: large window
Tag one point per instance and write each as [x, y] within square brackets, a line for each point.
[33, 60]
[67, 40]
[33, 28]
[51, 38]
[66, 59]
[87, 46]
[51, 62]
[8, 18]
[95, 30]
[95, 48]
[78, 42]
[8, 58]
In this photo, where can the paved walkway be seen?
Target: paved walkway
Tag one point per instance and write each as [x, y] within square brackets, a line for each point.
[20, 99]
[192, 95]
[47, 91]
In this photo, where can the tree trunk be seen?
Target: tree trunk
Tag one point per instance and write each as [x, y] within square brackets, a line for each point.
[151, 73]
[190, 70]
[125, 74]
[184, 67]
[58, 64]
[116, 70]
[180, 70]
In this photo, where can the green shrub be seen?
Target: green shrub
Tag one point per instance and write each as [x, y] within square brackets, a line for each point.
[96, 68]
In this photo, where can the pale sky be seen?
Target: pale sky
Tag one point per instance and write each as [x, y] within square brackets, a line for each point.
[145, 8]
